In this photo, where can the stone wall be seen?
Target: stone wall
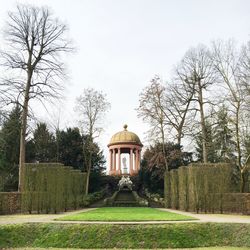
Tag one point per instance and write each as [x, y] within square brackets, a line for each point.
[10, 202]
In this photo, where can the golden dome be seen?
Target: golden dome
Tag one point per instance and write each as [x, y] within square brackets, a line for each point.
[125, 137]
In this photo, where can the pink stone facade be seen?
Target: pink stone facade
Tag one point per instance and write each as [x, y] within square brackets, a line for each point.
[115, 151]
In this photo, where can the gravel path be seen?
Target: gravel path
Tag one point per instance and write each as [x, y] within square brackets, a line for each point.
[49, 218]
[26, 218]
[220, 218]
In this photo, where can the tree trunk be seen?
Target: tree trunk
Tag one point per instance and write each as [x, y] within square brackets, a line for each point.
[203, 125]
[238, 136]
[89, 163]
[57, 144]
[180, 128]
[23, 134]
[163, 148]
[22, 152]
[179, 135]
[87, 182]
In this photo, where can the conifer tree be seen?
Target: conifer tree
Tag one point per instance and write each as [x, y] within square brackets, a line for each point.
[9, 149]
[44, 144]
[225, 146]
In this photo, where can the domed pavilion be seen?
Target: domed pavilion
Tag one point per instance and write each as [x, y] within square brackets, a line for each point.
[124, 142]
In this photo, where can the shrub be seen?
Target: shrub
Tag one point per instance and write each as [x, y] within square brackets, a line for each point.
[93, 197]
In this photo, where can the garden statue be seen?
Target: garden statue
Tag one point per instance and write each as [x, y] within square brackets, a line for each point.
[125, 169]
[125, 183]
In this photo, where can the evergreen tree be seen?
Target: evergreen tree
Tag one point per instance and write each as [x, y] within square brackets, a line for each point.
[211, 151]
[97, 170]
[225, 146]
[220, 143]
[9, 149]
[70, 147]
[73, 147]
[44, 144]
[153, 164]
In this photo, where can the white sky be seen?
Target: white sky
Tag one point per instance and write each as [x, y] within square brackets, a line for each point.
[122, 44]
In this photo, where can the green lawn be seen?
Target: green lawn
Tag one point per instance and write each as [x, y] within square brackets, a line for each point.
[126, 214]
[199, 248]
[107, 236]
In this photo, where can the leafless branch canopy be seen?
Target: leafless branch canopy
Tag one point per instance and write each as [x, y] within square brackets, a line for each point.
[35, 42]
[92, 107]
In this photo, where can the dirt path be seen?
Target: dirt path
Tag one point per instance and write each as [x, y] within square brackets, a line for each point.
[49, 218]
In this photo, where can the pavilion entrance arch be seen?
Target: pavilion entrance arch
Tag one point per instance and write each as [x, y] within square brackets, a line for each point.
[124, 142]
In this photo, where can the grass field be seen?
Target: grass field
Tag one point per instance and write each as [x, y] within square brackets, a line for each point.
[199, 248]
[174, 235]
[126, 214]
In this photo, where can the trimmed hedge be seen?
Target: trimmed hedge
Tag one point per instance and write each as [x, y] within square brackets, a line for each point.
[232, 203]
[201, 188]
[247, 182]
[10, 202]
[174, 189]
[51, 188]
[1, 182]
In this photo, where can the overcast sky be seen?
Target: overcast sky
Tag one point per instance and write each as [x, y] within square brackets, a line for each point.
[122, 44]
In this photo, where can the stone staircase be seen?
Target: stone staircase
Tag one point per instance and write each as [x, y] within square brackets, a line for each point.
[125, 198]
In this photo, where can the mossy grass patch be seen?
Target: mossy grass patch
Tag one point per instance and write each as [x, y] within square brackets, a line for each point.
[107, 236]
[199, 248]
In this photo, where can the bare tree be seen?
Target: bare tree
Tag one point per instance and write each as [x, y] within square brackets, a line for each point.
[91, 107]
[245, 68]
[34, 43]
[151, 110]
[165, 109]
[196, 71]
[228, 64]
[245, 80]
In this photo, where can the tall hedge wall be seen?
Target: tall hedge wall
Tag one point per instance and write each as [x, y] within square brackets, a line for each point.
[247, 182]
[1, 183]
[51, 188]
[198, 187]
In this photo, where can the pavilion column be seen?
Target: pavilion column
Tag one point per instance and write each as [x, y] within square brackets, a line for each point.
[135, 161]
[119, 161]
[110, 161]
[139, 160]
[114, 161]
[131, 162]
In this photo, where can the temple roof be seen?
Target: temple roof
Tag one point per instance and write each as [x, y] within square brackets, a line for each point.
[125, 137]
